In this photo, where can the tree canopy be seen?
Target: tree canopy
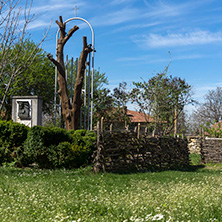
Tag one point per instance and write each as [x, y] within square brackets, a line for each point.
[37, 79]
[162, 97]
[13, 59]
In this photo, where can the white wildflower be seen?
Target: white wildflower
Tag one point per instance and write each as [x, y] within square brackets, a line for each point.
[158, 217]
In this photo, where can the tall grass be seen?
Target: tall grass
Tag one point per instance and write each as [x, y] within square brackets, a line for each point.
[80, 195]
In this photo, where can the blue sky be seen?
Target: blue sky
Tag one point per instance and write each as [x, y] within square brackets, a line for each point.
[133, 37]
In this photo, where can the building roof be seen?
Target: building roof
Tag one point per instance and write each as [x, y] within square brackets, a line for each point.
[217, 125]
[138, 117]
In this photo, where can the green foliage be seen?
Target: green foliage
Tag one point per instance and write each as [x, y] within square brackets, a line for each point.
[213, 131]
[161, 97]
[84, 138]
[67, 155]
[12, 137]
[48, 147]
[120, 95]
[54, 147]
[103, 104]
[39, 140]
[195, 159]
[37, 79]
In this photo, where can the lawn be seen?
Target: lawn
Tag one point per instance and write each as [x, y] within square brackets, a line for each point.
[80, 195]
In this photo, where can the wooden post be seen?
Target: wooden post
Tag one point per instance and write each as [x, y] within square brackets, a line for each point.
[138, 131]
[111, 128]
[153, 133]
[98, 133]
[146, 130]
[102, 125]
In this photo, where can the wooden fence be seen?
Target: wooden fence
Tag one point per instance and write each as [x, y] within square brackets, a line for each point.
[125, 151]
[211, 151]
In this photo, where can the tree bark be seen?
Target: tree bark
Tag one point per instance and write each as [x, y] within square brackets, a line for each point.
[70, 114]
[77, 101]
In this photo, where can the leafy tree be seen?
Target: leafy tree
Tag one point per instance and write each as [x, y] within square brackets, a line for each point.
[37, 79]
[13, 60]
[162, 97]
[103, 105]
[120, 95]
[102, 99]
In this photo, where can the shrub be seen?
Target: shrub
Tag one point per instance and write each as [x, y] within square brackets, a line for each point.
[12, 137]
[68, 155]
[84, 138]
[40, 139]
[54, 147]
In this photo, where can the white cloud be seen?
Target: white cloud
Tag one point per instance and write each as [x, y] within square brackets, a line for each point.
[118, 2]
[39, 24]
[137, 26]
[150, 59]
[161, 9]
[115, 18]
[181, 39]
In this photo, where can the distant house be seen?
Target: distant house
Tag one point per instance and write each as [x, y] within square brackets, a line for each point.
[120, 118]
[215, 130]
[217, 125]
[138, 117]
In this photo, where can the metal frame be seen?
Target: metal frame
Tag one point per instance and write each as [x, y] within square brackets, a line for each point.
[92, 72]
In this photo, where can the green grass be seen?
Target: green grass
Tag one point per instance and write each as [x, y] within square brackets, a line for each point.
[80, 195]
[195, 159]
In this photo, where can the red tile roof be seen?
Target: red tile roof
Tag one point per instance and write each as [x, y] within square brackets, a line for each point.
[216, 125]
[138, 117]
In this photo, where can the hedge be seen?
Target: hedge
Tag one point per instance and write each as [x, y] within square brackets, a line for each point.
[12, 138]
[49, 147]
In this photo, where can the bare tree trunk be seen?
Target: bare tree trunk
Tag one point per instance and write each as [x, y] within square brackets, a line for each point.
[77, 101]
[70, 114]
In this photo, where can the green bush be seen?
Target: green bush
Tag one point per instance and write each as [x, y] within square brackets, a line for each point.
[54, 147]
[68, 155]
[39, 140]
[84, 138]
[12, 137]
[195, 159]
[49, 147]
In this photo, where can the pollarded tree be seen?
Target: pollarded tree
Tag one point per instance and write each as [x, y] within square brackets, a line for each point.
[70, 113]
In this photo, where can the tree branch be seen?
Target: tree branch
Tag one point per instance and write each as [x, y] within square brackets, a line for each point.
[62, 27]
[70, 33]
[57, 64]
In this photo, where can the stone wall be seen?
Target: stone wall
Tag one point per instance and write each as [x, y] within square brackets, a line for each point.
[194, 144]
[211, 151]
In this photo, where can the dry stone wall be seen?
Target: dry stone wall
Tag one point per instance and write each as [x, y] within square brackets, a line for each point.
[194, 144]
